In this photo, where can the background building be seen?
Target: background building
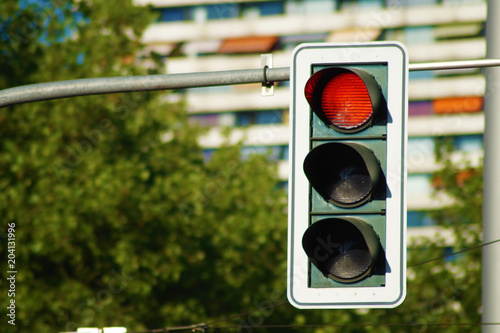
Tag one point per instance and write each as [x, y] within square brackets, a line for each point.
[211, 35]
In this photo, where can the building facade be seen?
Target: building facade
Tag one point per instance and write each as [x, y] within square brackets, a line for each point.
[213, 35]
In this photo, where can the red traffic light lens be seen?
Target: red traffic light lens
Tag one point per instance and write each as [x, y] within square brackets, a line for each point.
[348, 100]
[345, 101]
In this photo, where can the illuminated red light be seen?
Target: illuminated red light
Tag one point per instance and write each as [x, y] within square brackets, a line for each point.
[345, 101]
[342, 99]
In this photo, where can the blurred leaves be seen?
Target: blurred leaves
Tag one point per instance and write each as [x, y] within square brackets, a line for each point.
[116, 226]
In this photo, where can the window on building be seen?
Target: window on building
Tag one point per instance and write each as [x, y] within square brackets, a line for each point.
[269, 117]
[264, 8]
[419, 150]
[222, 11]
[418, 2]
[291, 41]
[468, 143]
[411, 35]
[420, 184]
[214, 119]
[459, 2]
[421, 75]
[271, 8]
[359, 4]
[273, 153]
[283, 185]
[419, 108]
[285, 153]
[205, 120]
[419, 35]
[247, 118]
[244, 118]
[419, 219]
[172, 14]
[226, 119]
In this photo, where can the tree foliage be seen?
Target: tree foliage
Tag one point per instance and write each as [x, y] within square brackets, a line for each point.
[120, 220]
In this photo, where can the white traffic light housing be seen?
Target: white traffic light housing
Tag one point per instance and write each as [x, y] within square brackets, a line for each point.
[347, 206]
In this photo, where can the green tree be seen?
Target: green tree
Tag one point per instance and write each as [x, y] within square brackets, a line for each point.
[119, 220]
[445, 288]
[463, 182]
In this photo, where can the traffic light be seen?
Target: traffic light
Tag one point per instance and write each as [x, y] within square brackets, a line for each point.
[347, 206]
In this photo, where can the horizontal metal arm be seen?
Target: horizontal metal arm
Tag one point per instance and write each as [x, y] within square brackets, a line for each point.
[430, 66]
[96, 86]
[84, 87]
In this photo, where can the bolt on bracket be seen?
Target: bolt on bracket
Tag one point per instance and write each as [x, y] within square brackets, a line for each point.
[266, 61]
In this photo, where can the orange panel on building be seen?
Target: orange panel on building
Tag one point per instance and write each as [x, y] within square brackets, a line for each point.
[248, 44]
[457, 104]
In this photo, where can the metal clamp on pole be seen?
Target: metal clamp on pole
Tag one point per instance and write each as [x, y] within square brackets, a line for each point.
[266, 61]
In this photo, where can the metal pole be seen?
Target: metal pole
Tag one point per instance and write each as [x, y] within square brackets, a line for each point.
[85, 87]
[430, 66]
[491, 178]
[107, 85]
